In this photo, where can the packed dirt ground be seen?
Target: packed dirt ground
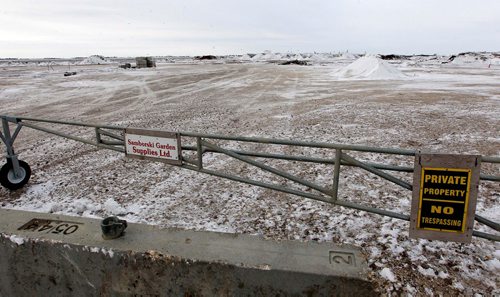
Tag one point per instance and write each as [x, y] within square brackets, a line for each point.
[441, 109]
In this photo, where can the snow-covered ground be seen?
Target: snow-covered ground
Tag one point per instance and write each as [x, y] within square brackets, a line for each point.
[445, 108]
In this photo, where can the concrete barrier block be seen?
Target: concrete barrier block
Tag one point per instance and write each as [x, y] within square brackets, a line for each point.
[67, 256]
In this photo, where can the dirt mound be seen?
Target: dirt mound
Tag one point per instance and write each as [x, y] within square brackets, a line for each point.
[369, 67]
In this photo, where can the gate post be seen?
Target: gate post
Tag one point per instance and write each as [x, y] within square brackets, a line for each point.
[199, 153]
[336, 174]
[11, 156]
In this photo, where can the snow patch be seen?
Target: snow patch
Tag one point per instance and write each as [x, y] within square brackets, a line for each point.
[494, 264]
[17, 239]
[40, 190]
[84, 206]
[388, 275]
[426, 272]
[458, 286]
[443, 274]
[113, 207]
[108, 253]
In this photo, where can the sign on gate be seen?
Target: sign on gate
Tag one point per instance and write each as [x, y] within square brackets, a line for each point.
[153, 145]
[444, 196]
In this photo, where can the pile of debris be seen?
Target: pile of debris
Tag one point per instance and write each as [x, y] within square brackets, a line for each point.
[126, 66]
[294, 62]
[207, 57]
[394, 57]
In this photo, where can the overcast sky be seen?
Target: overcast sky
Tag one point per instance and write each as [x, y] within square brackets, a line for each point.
[68, 28]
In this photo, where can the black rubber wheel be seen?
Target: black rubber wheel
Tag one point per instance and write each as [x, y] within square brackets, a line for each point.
[9, 181]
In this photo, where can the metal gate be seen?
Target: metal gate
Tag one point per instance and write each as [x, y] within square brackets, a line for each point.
[112, 138]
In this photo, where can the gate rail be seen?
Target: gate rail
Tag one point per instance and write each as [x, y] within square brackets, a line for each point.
[112, 137]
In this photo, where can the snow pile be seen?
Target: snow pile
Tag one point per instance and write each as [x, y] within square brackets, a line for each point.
[267, 56]
[369, 67]
[315, 58]
[467, 59]
[348, 55]
[495, 61]
[293, 56]
[318, 58]
[344, 56]
[246, 57]
[114, 208]
[95, 60]
[259, 57]
[475, 59]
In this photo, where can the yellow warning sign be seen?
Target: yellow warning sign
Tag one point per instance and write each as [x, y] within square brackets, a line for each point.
[444, 196]
[443, 199]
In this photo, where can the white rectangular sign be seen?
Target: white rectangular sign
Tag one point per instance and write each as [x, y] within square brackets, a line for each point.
[153, 145]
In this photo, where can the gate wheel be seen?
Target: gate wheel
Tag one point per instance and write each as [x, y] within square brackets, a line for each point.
[9, 180]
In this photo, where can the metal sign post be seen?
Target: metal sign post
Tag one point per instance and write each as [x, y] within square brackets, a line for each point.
[444, 196]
